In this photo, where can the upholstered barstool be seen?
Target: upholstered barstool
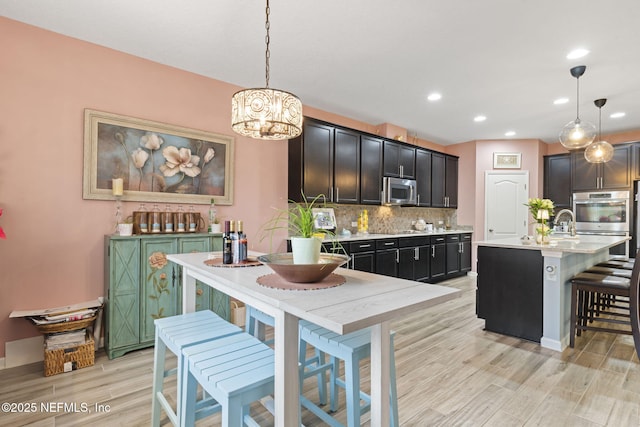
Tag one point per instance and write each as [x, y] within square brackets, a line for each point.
[177, 333]
[587, 288]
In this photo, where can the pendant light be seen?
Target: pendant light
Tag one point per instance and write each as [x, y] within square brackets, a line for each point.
[599, 151]
[577, 134]
[265, 113]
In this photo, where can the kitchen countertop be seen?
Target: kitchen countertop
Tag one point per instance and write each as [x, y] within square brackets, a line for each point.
[376, 236]
[586, 244]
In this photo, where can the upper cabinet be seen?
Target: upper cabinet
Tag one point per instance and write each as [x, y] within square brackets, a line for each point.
[347, 166]
[423, 177]
[370, 170]
[444, 181]
[612, 175]
[399, 160]
[557, 180]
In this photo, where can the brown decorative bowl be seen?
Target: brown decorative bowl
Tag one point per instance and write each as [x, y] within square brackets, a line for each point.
[282, 264]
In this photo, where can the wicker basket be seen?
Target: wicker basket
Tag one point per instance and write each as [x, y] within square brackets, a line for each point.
[73, 325]
[76, 357]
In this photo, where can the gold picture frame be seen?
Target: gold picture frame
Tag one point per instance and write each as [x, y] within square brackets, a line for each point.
[507, 160]
[157, 162]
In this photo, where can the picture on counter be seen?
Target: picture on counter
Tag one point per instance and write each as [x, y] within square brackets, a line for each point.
[157, 162]
[325, 218]
[506, 160]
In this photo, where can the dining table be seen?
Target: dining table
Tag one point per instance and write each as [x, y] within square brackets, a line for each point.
[364, 300]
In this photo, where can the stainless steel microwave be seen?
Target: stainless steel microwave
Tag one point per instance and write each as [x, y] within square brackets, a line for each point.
[399, 191]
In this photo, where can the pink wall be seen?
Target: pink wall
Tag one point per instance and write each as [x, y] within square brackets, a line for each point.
[53, 254]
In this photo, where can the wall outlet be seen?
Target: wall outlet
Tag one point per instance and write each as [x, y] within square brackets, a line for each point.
[354, 223]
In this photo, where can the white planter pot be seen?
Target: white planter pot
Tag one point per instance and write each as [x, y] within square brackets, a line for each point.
[125, 229]
[306, 250]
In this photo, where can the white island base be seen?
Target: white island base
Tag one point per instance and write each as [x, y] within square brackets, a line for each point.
[560, 262]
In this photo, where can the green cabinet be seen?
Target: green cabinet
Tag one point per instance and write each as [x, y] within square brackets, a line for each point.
[141, 285]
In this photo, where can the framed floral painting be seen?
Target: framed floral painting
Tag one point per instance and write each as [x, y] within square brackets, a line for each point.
[157, 162]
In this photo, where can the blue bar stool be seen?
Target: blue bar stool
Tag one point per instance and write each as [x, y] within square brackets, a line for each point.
[177, 333]
[351, 348]
[235, 371]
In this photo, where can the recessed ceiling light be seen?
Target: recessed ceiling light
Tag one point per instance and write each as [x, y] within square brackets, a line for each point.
[434, 97]
[617, 115]
[560, 101]
[577, 53]
[509, 133]
[479, 118]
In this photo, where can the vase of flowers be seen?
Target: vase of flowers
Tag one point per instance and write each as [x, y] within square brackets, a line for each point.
[541, 210]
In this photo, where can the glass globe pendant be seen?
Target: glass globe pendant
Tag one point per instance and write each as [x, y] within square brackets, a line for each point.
[577, 134]
[599, 151]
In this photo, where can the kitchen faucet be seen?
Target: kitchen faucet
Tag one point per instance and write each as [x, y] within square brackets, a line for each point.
[572, 223]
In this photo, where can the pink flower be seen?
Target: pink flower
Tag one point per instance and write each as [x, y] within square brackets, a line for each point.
[2, 235]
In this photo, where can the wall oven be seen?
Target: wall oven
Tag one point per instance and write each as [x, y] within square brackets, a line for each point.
[604, 213]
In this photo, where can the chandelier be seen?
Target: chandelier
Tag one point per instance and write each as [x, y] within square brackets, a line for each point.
[265, 113]
[577, 134]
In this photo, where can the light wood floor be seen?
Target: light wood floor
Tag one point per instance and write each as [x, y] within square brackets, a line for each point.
[450, 373]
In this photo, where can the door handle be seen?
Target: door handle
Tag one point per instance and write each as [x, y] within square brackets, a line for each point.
[491, 230]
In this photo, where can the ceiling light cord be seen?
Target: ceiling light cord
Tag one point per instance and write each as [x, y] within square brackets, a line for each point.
[267, 39]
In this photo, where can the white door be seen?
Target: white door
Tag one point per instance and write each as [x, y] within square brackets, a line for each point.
[505, 195]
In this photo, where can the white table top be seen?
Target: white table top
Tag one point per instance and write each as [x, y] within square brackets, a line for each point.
[364, 300]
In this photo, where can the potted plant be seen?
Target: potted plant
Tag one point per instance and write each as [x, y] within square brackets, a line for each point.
[125, 228]
[299, 220]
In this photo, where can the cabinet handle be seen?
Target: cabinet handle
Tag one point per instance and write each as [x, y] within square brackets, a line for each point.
[388, 243]
[460, 247]
[331, 194]
[433, 251]
[397, 256]
[337, 194]
[364, 246]
[401, 171]
[416, 254]
[418, 200]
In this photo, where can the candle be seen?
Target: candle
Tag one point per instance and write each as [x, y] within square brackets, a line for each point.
[117, 186]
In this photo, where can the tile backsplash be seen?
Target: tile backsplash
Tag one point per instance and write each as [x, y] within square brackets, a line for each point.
[393, 219]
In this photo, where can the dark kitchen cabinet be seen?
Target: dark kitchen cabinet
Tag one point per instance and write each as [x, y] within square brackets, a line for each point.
[423, 177]
[346, 167]
[363, 255]
[444, 181]
[557, 180]
[399, 160]
[387, 257]
[370, 170]
[453, 254]
[311, 161]
[465, 252]
[612, 175]
[636, 161]
[414, 255]
[437, 264]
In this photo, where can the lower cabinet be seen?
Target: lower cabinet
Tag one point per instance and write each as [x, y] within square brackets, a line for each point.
[141, 286]
[414, 258]
[387, 257]
[363, 256]
[437, 263]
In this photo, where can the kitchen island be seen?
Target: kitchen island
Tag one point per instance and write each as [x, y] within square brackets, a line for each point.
[525, 290]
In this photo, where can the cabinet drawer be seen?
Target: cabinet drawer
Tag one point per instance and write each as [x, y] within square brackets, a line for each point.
[386, 244]
[453, 238]
[465, 237]
[437, 239]
[362, 246]
[409, 242]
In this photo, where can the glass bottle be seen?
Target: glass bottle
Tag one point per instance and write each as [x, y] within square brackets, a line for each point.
[242, 242]
[227, 257]
[212, 215]
[143, 219]
[155, 219]
[180, 218]
[235, 243]
[192, 217]
[168, 220]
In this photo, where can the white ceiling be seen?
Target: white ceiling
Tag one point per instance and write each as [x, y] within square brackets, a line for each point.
[376, 60]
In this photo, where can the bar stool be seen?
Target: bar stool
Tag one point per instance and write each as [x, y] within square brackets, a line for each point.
[236, 371]
[586, 287]
[177, 333]
[255, 320]
[351, 349]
